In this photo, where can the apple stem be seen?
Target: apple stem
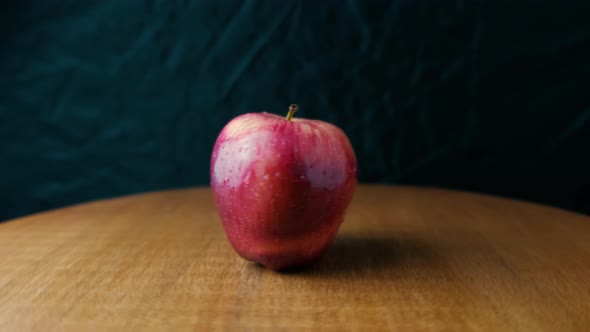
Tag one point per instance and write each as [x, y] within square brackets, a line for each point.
[292, 109]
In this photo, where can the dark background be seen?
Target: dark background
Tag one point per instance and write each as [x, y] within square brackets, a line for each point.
[104, 98]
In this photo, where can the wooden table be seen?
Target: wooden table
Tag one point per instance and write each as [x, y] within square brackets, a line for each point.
[406, 258]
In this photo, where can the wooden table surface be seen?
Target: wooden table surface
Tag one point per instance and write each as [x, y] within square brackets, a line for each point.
[405, 258]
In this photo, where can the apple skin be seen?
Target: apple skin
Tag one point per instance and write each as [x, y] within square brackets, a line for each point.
[282, 187]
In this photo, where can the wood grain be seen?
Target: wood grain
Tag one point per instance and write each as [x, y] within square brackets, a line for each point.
[406, 258]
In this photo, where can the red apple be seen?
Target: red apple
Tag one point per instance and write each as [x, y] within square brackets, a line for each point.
[282, 186]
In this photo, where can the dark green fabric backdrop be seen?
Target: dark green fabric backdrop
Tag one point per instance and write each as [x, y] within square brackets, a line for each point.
[104, 98]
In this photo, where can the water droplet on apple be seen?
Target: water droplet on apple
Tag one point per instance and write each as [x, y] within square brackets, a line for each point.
[277, 173]
[265, 177]
[302, 177]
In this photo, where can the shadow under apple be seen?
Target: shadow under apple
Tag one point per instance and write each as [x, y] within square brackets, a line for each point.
[356, 254]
